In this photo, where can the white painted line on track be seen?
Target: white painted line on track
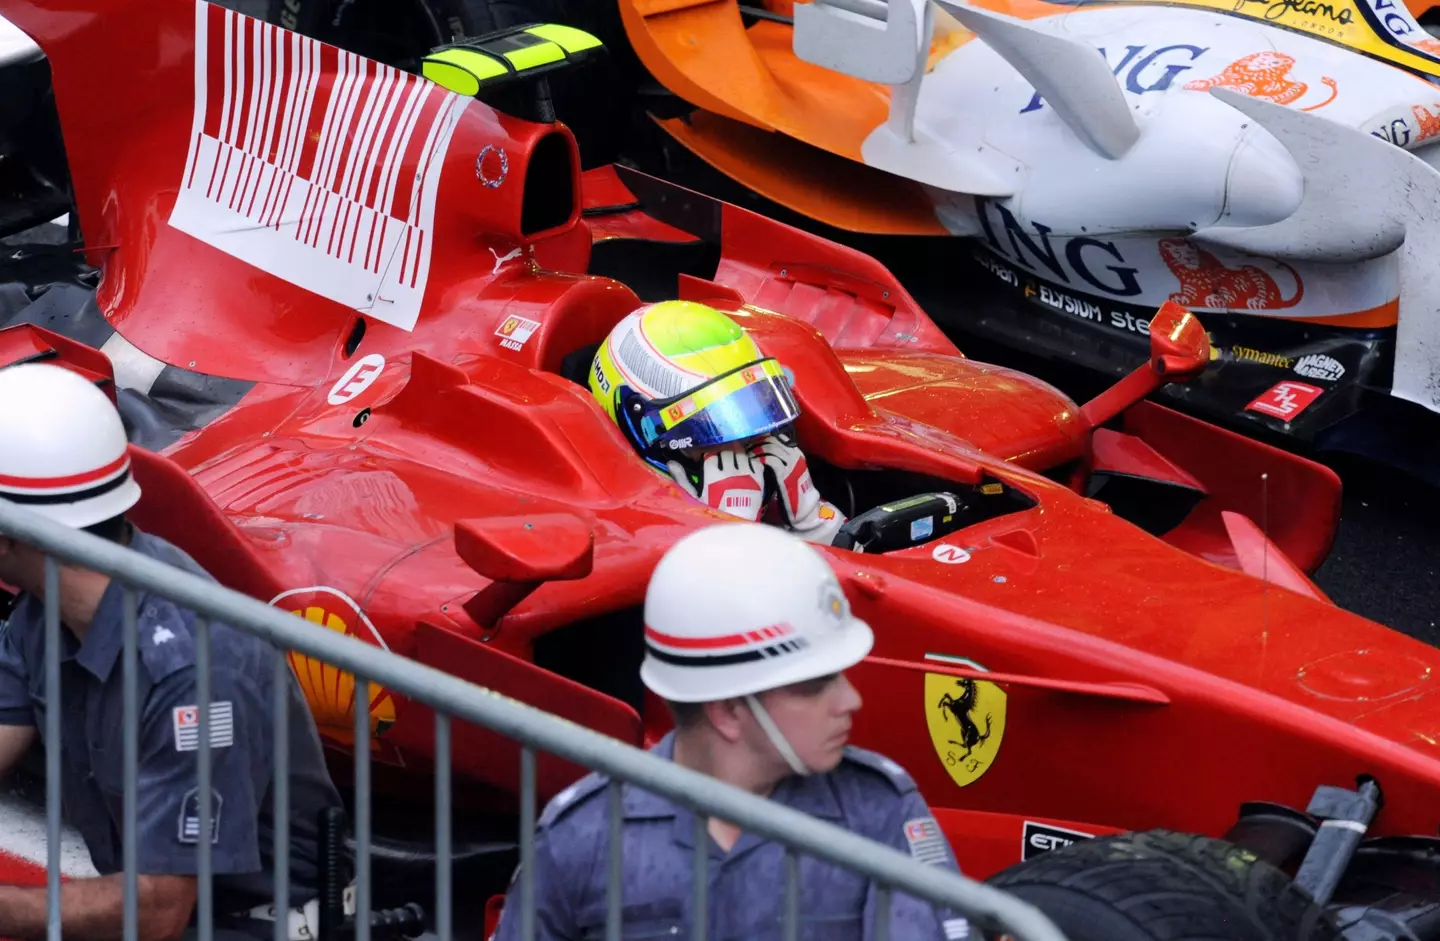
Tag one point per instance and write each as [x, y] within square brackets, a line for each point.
[22, 835]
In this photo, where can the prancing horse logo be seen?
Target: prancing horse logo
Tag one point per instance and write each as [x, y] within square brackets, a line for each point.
[965, 718]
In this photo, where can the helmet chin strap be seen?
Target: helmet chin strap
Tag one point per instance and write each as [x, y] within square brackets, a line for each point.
[776, 737]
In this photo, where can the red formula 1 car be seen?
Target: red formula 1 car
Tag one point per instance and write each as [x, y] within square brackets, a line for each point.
[358, 311]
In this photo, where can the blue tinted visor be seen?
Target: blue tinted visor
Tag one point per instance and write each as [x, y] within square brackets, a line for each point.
[748, 402]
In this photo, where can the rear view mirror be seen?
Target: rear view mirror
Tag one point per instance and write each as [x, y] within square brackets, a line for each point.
[541, 548]
[1179, 346]
[519, 554]
[1179, 351]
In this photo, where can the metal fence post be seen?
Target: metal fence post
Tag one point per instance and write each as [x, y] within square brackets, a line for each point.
[52, 747]
[281, 732]
[131, 733]
[444, 898]
[362, 809]
[205, 905]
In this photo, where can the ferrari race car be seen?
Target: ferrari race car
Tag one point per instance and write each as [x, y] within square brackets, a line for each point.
[349, 315]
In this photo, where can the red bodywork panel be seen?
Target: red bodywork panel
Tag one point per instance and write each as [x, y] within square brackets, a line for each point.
[387, 473]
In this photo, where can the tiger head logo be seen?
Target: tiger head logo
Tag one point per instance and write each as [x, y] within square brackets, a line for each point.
[1205, 281]
[1264, 75]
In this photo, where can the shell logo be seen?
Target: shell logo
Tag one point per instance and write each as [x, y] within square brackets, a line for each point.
[329, 690]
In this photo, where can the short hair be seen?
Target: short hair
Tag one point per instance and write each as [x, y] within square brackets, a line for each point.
[686, 714]
[115, 529]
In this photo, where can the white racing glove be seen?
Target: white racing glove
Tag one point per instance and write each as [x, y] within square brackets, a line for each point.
[731, 480]
[810, 517]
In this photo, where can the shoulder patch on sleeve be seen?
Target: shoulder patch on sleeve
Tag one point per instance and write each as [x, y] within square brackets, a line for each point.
[165, 640]
[186, 722]
[926, 841]
[188, 827]
[572, 797]
[898, 777]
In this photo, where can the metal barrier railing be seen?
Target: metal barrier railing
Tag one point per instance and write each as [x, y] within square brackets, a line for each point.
[890, 869]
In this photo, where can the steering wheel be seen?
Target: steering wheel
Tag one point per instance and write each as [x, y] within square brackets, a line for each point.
[901, 524]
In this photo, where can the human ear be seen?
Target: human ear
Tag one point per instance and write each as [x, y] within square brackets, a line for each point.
[724, 716]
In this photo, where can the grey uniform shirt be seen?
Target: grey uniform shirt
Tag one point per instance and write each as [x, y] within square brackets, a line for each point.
[867, 794]
[241, 735]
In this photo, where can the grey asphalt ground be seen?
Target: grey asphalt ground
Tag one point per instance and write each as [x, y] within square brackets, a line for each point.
[1385, 564]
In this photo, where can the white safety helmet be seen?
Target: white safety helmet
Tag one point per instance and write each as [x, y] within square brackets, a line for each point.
[62, 447]
[739, 608]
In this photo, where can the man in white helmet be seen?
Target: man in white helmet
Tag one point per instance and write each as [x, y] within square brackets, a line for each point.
[748, 635]
[63, 454]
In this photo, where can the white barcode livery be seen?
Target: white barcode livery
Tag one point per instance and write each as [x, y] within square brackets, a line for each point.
[314, 164]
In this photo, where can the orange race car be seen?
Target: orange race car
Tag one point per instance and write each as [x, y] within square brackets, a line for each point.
[1046, 174]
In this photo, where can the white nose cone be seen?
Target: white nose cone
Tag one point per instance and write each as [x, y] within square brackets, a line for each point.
[1263, 184]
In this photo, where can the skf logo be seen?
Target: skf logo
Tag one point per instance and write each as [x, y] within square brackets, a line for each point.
[357, 379]
[1040, 838]
[1285, 400]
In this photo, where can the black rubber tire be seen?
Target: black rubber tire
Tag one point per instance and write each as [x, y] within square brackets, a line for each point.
[1159, 885]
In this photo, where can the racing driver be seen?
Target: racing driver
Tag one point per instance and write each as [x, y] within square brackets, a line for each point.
[694, 395]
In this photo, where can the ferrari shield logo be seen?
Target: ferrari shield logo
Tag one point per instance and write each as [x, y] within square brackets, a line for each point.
[966, 720]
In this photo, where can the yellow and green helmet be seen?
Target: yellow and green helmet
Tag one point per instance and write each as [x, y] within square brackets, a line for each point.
[679, 375]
